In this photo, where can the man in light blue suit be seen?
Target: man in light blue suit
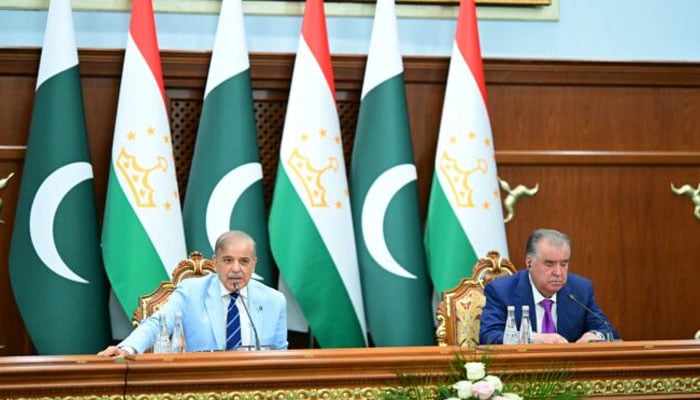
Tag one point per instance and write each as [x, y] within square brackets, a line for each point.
[574, 315]
[204, 301]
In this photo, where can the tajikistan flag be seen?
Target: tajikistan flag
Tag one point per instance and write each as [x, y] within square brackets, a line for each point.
[142, 236]
[465, 219]
[311, 231]
[395, 282]
[55, 264]
[225, 189]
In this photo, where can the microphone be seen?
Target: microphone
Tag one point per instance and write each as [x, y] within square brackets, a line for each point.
[601, 319]
[255, 331]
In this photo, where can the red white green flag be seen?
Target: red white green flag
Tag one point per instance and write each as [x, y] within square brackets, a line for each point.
[465, 219]
[311, 232]
[142, 237]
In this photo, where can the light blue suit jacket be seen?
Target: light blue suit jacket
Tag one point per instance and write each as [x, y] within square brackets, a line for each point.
[203, 316]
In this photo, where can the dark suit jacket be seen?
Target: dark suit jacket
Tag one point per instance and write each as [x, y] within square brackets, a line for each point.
[572, 319]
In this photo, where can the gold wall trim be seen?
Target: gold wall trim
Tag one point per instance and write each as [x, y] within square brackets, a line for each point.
[441, 9]
[602, 387]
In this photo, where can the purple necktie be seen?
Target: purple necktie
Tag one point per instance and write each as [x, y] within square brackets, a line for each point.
[547, 321]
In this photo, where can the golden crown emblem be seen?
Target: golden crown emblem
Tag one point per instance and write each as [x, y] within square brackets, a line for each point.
[458, 178]
[310, 176]
[138, 177]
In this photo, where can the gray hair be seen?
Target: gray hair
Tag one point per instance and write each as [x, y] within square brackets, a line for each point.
[229, 237]
[557, 238]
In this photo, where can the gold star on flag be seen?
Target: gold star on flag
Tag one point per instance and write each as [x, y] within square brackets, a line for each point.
[495, 193]
[453, 139]
[304, 137]
[151, 131]
[167, 205]
[336, 139]
[166, 139]
[471, 135]
[131, 136]
[487, 142]
[338, 204]
[322, 132]
[486, 205]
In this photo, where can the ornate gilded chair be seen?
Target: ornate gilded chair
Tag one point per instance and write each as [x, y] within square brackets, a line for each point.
[195, 265]
[459, 311]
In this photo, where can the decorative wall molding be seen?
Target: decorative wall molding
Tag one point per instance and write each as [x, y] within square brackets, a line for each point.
[410, 9]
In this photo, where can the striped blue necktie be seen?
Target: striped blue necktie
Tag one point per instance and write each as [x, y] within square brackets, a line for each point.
[233, 324]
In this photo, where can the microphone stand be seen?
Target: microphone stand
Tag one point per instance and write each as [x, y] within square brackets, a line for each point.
[601, 319]
[255, 331]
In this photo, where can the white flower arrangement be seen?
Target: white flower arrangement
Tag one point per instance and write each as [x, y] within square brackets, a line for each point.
[480, 386]
[469, 381]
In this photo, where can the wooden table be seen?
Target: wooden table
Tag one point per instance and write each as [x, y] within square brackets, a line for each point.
[630, 370]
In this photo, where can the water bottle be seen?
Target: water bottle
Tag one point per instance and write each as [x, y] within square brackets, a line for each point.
[162, 344]
[178, 343]
[510, 334]
[526, 335]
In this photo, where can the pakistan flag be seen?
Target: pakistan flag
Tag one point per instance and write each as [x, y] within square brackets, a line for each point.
[55, 263]
[395, 284]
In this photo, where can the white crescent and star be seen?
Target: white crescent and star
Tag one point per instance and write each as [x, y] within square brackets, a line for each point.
[43, 214]
[224, 197]
[374, 209]
[221, 204]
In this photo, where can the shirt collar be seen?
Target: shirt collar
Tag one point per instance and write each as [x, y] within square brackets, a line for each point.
[224, 292]
[536, 295]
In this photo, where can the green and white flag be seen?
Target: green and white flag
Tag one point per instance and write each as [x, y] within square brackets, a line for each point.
[395, 283]
[465, 219]
[225, 189]
[311, 233]
[143, 238]
[55, 263]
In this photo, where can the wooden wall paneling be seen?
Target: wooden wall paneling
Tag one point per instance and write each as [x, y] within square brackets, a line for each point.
[594, 118]
[603, 140]
[425, 108]
[630, 236]
[184, 122]
[16, 99]
[100, 95]
[12, 332]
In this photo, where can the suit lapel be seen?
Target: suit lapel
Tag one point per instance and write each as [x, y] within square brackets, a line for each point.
[523, 295]
[255, 306]
[215, 312]
[565, 319]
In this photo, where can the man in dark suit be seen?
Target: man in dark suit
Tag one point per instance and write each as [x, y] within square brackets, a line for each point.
[546, 279]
